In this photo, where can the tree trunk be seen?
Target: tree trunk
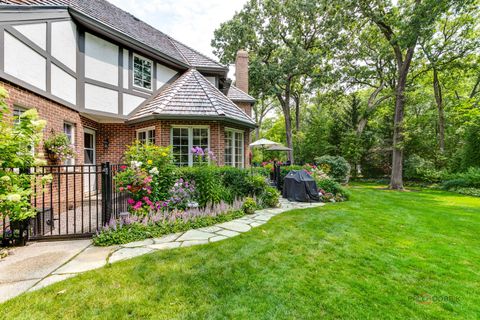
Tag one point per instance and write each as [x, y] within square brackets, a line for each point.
[441, 111]
[297, 113]
[285, 103]
[396, 179]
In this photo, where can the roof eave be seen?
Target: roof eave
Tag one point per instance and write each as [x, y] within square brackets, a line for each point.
[192, 117]
[108, 31]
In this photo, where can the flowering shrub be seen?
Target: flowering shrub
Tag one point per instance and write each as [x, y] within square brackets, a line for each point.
[16, 143]
[136, 182]
[182, 194]
[158, 162]
[59, 147]
[203, 157]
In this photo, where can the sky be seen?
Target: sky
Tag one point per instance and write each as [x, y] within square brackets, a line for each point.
[189, 21]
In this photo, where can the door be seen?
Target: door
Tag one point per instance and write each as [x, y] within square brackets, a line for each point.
[89, 179]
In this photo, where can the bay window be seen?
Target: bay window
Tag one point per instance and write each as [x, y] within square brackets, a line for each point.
[183, 139]
[234, 148]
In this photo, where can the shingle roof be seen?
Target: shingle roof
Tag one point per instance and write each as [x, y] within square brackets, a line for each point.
[124, 22]
[192, 95]
[236, 94]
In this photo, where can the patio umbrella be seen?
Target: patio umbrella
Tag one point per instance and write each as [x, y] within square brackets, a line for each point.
[263, 143]
[278, 147]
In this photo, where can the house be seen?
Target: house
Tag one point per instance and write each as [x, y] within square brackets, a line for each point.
[105, 78]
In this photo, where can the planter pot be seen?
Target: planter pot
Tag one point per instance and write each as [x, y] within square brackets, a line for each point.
[20, 232]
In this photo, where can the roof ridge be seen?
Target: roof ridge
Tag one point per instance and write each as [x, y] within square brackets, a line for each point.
[231, 102]
[176, 47]
[170, 92]
[208, 96]
[194, 50]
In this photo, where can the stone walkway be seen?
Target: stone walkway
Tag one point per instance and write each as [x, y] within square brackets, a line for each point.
[40, 264]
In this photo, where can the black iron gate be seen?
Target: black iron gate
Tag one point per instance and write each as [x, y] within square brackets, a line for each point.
[77, 201]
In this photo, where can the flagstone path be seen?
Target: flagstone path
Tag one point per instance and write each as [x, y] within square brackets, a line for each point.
[40, 264]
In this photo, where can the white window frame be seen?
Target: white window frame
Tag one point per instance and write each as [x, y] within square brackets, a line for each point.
[20, 110]
[147, 130]
[234, 162]
[94, 147]
[133, 72]
[16, 120]
[70, 161]
[190, 139]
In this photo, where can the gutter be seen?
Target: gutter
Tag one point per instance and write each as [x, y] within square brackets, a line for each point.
[192, 118]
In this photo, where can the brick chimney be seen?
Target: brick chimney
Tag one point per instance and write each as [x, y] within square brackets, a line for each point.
[241, 70]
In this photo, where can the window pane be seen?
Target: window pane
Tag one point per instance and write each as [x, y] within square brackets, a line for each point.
[17, 112]
[88, 140]
[142, 72]
[68, 130]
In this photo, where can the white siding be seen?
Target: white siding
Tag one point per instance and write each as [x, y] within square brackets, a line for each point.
[101, 99]
[64, 43]
[163, 75]
[37, 33]
[101, 60]
[24, 63]
[63, 85]
[130, 102]
[125, 68]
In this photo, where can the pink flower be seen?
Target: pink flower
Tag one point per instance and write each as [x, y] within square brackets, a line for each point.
[121, 188]
[137, 205]
[123, 167]
[130, 201]
[129, 187]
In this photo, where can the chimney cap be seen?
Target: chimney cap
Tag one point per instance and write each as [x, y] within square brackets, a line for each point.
[242, 53]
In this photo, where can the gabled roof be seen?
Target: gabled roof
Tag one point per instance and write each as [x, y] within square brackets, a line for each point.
[123, 22]
[191, 96]
[235, 94]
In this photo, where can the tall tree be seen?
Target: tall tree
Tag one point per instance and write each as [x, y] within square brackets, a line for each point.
[402, 25]
[455, 37]
[288, 41]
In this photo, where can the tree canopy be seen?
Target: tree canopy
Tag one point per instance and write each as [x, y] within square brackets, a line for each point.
[381, 83]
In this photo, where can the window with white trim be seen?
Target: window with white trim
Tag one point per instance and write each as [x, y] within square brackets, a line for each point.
[183, 139]
[17, 112]
[234, 148]
[69, 130]
[146, 135]
[142, 72]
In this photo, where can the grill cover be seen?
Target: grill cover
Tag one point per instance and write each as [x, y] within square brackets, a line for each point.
[300, 186]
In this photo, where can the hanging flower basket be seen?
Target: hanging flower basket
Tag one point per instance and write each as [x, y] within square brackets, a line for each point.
[59, 148]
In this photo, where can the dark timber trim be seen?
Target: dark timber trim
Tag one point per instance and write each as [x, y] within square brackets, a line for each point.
[48, 57]
[2, 46]
[80, 69]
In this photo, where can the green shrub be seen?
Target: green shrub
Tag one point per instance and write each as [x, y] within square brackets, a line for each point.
[333, 187]
[419, 169]
[471, 150]
[468, 179]
[475, 192]
[249, 206]
[335, 166]
[207, 181]
[269, 198]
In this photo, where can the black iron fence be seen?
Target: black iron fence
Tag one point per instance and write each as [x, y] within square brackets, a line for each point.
[77, 201]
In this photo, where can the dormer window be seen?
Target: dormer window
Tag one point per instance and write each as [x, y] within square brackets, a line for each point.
[142, 72]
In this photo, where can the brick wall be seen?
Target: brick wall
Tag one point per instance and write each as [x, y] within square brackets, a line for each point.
[119, 135]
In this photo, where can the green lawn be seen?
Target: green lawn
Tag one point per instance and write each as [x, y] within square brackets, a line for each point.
[382, 255]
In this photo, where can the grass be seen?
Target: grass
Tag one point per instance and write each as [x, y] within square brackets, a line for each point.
[382, 255]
